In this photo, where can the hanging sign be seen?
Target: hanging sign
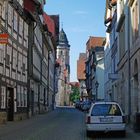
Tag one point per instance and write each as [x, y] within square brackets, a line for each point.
[4, 38]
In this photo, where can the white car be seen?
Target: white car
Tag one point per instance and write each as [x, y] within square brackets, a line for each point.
[105, 117]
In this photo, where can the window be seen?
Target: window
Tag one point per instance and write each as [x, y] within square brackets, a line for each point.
[19, 62]
[106, 110]
[25, 97]
[0, 10]
[21, 96]
[10, 15]
[14, 59]
[135, 21]
[3, 11]
[122, 41]
[38, 38]
[18, 95]
[61, 53]
[25, 35]
[7, 59]
[23, 68]
[20, 26]
[1, 53]
[15, 21]
[3, 97]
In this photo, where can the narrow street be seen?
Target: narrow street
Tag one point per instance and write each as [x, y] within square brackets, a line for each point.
[61, 124]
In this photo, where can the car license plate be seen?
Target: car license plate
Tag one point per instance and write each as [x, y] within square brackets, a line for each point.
[106, 120]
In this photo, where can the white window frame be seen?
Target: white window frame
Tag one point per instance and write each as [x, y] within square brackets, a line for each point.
[20, 26]
[15, 19]
[10, 15]
[14, 59]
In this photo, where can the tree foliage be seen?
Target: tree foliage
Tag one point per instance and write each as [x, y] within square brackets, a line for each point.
[75, 94]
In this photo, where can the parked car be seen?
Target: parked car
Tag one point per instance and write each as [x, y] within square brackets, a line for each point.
[86, 105]
[77, 103]
[105, 117]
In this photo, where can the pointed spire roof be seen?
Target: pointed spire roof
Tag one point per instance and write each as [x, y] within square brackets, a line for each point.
[63, 37]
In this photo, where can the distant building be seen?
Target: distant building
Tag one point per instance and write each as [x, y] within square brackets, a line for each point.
[63, 57]
[95, 67]
[52, 23]
[81, 75]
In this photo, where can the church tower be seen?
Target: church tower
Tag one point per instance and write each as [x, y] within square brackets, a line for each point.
[63, 50]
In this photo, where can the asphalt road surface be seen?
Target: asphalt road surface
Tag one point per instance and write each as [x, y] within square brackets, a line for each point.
[61, 124]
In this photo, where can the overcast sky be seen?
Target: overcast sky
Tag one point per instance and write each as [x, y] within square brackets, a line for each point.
[80, 19]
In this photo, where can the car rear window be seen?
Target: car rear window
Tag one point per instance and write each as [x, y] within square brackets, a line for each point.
[106, 110]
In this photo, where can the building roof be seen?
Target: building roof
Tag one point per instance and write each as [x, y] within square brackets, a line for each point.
[63, 38]
[95, 42]
[50, 23]
[76, 84]
[81, 67]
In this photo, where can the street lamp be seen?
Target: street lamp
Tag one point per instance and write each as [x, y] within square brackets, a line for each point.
[96, 87]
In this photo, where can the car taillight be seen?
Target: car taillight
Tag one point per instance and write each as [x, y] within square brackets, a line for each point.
[123, 119]
[88, 119]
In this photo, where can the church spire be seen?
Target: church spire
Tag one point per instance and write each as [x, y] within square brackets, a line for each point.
[62, 37]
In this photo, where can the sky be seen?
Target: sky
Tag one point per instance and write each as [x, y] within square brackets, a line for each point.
[79, 19]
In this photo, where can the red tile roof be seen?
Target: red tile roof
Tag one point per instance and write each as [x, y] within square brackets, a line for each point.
[81, 67]
[50, 23]
[95, 42]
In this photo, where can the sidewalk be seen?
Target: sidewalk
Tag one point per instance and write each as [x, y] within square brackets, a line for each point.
[130, 130]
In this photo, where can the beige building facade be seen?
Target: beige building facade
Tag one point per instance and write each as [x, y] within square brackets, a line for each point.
[126, 85]
[63, 76]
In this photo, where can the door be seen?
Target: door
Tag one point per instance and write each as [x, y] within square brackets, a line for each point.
[10, 104]
[32, 102]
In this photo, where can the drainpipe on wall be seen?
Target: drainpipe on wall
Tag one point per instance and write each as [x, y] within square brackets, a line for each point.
[129, 69]
[30, 69]
[48, 90]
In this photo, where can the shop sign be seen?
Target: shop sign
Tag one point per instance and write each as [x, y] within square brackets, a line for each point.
[4, 38]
